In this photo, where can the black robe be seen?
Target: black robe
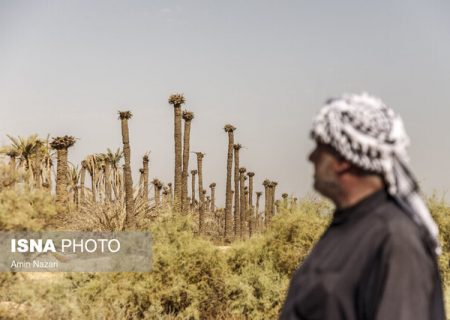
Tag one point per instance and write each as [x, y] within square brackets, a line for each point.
[372, 263]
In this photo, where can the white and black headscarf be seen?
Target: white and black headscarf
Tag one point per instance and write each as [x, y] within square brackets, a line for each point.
[370, 135]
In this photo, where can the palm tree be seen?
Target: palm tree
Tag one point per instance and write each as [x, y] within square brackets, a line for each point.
[258, 222]
[237, 208]
[12, 154]
[157, 185]
[74, 177]
[201, 212]
[193, 173]
[272, 187]
[114, 159]
[242, 198]
[26, 149]
[145, 161]
[177, 100]
[170, 193]
[229, 129]
[212, 186]
[82, 179]
[130, 220]
[266, 184]
[208, 202]
[62, 144]
[187, 117]
[285, 201]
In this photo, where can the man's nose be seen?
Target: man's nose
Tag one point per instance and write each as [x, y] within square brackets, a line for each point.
[312, 155]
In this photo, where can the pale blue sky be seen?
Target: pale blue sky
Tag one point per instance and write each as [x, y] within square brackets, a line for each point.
[67, 67]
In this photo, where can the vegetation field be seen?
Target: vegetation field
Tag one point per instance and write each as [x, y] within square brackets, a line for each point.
[192, 276]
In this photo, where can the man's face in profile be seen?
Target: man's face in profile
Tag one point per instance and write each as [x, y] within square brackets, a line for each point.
[326, 164]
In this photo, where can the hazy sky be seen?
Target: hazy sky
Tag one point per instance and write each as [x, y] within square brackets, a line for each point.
[67, 67]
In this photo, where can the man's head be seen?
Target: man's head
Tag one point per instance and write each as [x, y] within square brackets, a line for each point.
[361, 146]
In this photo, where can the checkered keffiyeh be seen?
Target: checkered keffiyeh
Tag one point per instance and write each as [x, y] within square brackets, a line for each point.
[370, 135]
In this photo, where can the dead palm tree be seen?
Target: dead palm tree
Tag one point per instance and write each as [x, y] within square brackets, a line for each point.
[266, 184]
[145, 161]
[229, 129]
[116, 174]
[73, 178]
[187, 117]
[237, 208]
[170, 193]
[130, 221]
[82, 180]
[212, 186]
[285, 201]
[258, 222]
[193, 173]
[26, 148]
[91, 167]
[201, 211]
[177, 100]
[272, 187]
[107, 178]
[157, 185]
[242, 201]
[12, 154]
[62, 144]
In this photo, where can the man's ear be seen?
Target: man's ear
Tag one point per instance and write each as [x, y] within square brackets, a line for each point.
[343, 166]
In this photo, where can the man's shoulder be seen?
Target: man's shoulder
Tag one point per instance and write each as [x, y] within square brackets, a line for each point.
[398, 226]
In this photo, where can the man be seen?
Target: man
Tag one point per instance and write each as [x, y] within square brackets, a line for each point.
[377, 259]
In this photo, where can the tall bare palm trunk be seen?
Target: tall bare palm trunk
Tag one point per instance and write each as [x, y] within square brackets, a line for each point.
[130, 219]
[193, 174]
[267, 217]
[62, 144]
[82, 180]
[145, 162]
[242, 201]
[229, 129]
[251, 212]
[258, 217]
[212, 186]
[285, 201]
[272, 186]
[187, 116]
[201, 211]
[237, 207]
[12, 164]
[177, 100]
[107, 179]
[157, 185]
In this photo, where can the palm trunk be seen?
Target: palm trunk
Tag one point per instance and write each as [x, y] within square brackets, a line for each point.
[130, 219]
[272, 195]
[228, 197]
[193, 173]
[201, 212]
[178, 158]
[213, 197]
[61, 180]
[61, 144]
[285, 201]
[252, 220]
[266, 184]
[94, 185]
[107, 178]
[187, 116]
[145, 190]
[82, 180]
[258, 222]
[237, 207]
[242, 203]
